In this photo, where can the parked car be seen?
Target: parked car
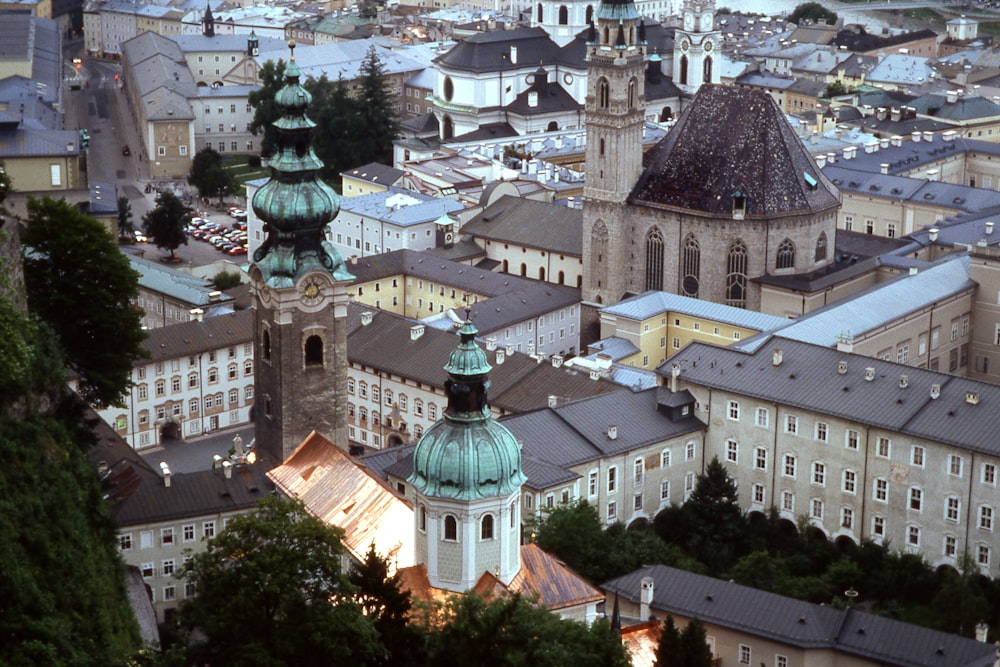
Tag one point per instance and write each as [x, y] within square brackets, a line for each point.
[238, 214]
[238, 250]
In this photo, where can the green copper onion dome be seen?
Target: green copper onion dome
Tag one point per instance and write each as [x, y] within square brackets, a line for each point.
[467, 454]
[295, 204]
[617, 10]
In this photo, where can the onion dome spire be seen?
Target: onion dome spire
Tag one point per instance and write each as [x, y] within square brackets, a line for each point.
[295, 204]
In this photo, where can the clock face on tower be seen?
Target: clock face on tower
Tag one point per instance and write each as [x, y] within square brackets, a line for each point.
[706, 22]
[311, 291]
[688, 21]
[708, 45]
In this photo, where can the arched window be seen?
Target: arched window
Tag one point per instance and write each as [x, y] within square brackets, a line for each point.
[541, 273]
[600, 147]
[821, 247]
[633, 87]
[691, 267]
[603, 93]
[707, 70]
[423, 519]
[563, 15]
[736, 275]
[524, 270]
[606, 35]
[541, 14]
[590, 15]
[562, 278]
[265, 345]
[598, 251]
[314, 351]
[486, 528]
[552, 127]
[513, 513]
[666, 115]
[786, 255]
[447, 128]
[683, 74]
[450, 528]
[654, 260]
[506, 266]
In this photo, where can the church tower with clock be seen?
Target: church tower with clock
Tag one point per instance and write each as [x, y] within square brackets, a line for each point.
[696, 44]
[298, 282]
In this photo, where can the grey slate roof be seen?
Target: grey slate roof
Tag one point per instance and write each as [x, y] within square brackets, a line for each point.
[422, 208]
[376, 172]
[733, 139]
[482, 51]
[801, 624]
[535, 224]
[182, 286]
[879, 305]
[808, 379]
[190, 338]
[652, 303]
[27, 141]
[615, 347]
[230, 43]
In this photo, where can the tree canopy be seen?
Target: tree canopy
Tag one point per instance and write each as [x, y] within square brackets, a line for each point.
[812, 12]
[125, 230]
[354, 124]
[271, 592]
[209, 175]
[164, 225]
[83, 287]
[61, 576]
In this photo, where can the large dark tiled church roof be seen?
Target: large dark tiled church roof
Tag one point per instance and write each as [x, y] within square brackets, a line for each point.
[734, 141]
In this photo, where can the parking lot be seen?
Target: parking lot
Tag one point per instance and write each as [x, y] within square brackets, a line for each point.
[200, 252]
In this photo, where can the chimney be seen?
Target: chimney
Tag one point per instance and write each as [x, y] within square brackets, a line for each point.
[935, 391]
[553, 400]
[928, 136]
[214, 297]
[354, 259]
[557, 360]
[501, 356]
[989, 227]
[842, 367]
[227, 469]
[646, 590]
[416, 331]
[510, 350]
[366, 318]
[675, 372]
[532, 98]
[491, 343]
[595, 375]
[197, 314]
[982, 630]
[513, 55]
[896, 140]
[165, 471]
[916, 136]
[883, 142]
[845, 343]
[776, 357]
[904, 381]
[869, 374]
[972, 397]
[531, 347]
[932, 234]
[612, 432]
[821, 160]
[952, 96]
[884, 168]
[216, 462]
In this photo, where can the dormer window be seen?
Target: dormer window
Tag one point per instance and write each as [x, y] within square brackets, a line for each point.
[739, 205]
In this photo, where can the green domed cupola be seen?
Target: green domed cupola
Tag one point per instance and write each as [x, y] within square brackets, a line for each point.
[467, 455]
[295, 204]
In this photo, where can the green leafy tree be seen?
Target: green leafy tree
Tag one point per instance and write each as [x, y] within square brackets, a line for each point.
[812, 12]
[224, 280]
[574, 534]
[835, 89]
[209, 175]
[340, 138]
[61, 577]
[125, 218]
[379, 105]
[510, 631]
[387, 605]
[668, 648]
[271, 77]
[164, 225]
[83, 287]
[694, 648]
[715, 516]
[271, 593]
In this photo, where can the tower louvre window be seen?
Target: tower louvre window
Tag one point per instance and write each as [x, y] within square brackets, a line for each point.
[314, 351]
[450, 528]
[786, 255]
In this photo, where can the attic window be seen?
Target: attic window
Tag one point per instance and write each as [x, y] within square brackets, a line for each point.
[739, 205]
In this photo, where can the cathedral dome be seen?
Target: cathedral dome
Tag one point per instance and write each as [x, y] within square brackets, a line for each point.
[467, 454]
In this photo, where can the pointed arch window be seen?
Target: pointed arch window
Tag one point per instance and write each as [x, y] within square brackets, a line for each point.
[736, 275]
[450, 528]
[786, 255]
[486, 528]
[314, 351]
[590, 15]
[563, 15]
[598, 252]
[541, 14]
[447, 128]
[683, 74]
[265, 345]
[633, 88]
[654, 260]
[603, 93]
[821, 247]
[691, 267]
[707, 70]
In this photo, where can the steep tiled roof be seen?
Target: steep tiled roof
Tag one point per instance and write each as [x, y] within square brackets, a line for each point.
[483, 51]
[804, 625]
[648, 304]
[531, 223]
[191, 338]
[733, 140]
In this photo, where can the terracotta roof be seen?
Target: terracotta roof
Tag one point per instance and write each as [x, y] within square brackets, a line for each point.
[340, 492]
[641, 642]
[732, 140]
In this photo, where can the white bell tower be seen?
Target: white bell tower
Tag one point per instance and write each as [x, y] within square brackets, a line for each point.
[696, 46]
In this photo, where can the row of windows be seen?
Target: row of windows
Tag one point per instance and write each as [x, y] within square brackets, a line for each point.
[176, 408]
[450, 524]
[160, 367]
[638, 470]
[167, 536]
[213, 374]
[363, 390]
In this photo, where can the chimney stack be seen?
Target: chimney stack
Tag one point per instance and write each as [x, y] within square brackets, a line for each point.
[842, 367]
[165, 471]
[416, 331]
[904, 381]
[366, 318]
[935, 391]
[612, 432]
[227, 469]
[777, 357]
[646, 590]
[932, 234]
[869, 374]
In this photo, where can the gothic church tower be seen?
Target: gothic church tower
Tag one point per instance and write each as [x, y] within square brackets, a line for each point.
[467, 481]
[696, 45]
[298, 283]
[616, 50]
